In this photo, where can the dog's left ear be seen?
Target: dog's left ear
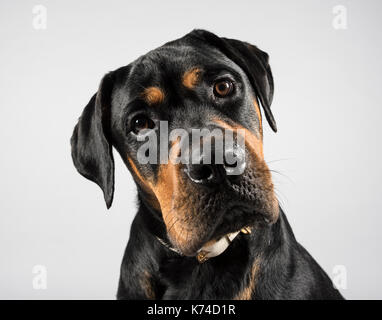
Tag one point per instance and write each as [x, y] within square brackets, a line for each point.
[91, 141]
[254, 63]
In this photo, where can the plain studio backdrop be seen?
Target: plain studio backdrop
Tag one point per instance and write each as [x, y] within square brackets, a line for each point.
[327, 152]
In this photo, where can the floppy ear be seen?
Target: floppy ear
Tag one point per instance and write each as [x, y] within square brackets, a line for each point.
[253, 61]
[91, 143]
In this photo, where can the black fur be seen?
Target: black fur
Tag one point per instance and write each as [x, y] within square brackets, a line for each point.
[287, 270]
[284, 269]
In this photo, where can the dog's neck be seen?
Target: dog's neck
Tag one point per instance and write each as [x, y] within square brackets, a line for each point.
[263, 240]
[272, 248]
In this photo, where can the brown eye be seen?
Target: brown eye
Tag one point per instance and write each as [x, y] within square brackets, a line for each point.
[223, 88]
[140, 123]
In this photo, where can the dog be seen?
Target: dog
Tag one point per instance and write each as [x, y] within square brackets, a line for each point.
[200, 232]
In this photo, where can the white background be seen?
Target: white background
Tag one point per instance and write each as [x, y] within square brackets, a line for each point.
[327, 104]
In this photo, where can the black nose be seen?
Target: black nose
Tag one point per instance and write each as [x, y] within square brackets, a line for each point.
[209, 169]
[205, 173]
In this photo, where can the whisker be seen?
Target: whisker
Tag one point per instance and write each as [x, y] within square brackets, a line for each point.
[278, 160]
[280, 197]
[281, 174]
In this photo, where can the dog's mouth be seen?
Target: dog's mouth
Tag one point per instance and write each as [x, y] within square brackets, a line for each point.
[215, 248]
[235, 220]
[212, 248]
[197, 215]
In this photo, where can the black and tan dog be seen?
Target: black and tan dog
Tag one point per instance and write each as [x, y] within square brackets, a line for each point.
[199, 233]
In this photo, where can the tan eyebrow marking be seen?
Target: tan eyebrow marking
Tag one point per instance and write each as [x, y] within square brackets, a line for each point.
[153, 95]
[191, 77]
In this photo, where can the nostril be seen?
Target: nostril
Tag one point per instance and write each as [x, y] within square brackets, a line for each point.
[232, 164]
[200, 173]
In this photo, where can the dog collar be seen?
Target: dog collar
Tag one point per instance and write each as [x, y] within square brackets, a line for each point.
[213, 248]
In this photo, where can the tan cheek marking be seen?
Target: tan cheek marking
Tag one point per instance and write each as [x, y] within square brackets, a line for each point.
[247, 292]
[257, 108]
[165, 186]
[166, 191]
[136, 171]
[191, 78]
[254, 143]
[153, 95]
[146, 185]
[146, 283]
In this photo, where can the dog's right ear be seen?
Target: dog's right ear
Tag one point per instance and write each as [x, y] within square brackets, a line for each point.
[252, 60]
[91, 141]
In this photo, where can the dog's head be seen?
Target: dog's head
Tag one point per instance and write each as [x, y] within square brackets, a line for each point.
[149, 111]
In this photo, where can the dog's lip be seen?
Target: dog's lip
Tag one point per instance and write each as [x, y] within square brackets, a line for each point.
[249, 208]
[220, 230]
[223, 228]
[231, 230]
[213, 240]
[207, 245]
